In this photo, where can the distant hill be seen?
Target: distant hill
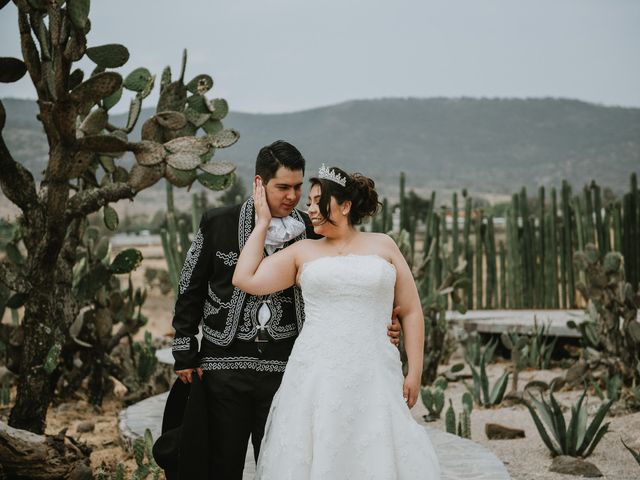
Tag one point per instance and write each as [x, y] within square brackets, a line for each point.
[489, 146]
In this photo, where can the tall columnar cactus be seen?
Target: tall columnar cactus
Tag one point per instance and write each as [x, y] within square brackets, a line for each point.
[492, 269]
[552, 282]
[568, 231]
[597, 205]
[589, 226]
[540, 266]
[503, 275]
[467, 249]
[454, 227]
[514, 272]
[479, 257]
[527, 251]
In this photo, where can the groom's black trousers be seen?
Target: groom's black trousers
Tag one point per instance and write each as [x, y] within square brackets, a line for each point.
[238, 404]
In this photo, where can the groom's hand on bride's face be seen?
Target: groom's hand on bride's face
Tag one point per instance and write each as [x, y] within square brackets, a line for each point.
[394, 329]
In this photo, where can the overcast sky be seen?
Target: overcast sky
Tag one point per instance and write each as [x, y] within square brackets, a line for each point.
[287, 55]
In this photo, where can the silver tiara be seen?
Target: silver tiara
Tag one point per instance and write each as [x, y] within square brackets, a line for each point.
[327, 174]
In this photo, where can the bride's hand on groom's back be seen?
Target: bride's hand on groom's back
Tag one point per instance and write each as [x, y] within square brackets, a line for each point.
[394, 329]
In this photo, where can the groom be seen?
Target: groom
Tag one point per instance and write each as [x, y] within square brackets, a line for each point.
[246, 339]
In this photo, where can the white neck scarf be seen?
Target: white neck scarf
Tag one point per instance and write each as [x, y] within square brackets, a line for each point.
[280, 231]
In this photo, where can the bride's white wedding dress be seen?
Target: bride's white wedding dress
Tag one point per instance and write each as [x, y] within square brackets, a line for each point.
[340, 413]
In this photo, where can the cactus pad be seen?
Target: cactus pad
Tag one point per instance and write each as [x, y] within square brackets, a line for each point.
[148, 88]
[165, 79]
[137, 80]
[120, 175]
[216, 182]
[141, 177]
[180, 178]
[126, 261]
[113, 99]
[219, 108]
[218, 168]
[195, 118]
[612, 262]
[193, 145]
[223, 138]
[95, 122]
[198, 103]
[171, 120]
[103, 322]
[212, 126]
[78, 11]
[200, 84]
[110, 217]
[151, 131]
[109, 56]
[149, 153]
[11, 69]
[103, 143]
[81, 161]
[172, 98]
[134, 112]
[183, 160]
[75, 78]
[96, 88]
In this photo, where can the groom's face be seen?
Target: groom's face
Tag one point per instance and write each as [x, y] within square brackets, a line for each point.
[284, 191]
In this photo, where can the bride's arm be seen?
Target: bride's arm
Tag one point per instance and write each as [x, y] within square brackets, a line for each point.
[410, 312]
[257, 275]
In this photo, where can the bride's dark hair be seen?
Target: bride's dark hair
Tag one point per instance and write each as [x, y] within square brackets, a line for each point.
[360, 190]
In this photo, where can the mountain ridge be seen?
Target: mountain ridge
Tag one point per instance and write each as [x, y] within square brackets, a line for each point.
[491, 146]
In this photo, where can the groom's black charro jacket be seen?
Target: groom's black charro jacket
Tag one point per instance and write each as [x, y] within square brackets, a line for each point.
[229, 316]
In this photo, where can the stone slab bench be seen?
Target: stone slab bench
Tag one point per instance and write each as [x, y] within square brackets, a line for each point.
[520, 321]
[460, 459]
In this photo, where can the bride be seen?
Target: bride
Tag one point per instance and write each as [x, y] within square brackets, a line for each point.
[342, 410]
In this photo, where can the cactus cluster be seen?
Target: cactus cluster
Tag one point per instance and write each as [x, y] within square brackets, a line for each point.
[433, 398]
[613, 307]
[532, 267]
[108, 314]
[145, 358]
[142, 449]
[462, 427]
[482, 392]
[531, 350]
[577, 438]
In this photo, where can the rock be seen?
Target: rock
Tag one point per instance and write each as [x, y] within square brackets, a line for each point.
[576, 372]
[495, 431]
[66, 407]
[81, 472]
[85, 427]
[574, 466]
[6, 376]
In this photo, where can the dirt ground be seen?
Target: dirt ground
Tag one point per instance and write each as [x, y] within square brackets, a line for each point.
[526, 459]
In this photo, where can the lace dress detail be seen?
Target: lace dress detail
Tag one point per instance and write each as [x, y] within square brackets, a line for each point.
[339, 413]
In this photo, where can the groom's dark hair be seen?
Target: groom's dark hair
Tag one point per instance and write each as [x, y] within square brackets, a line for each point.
[278, 154]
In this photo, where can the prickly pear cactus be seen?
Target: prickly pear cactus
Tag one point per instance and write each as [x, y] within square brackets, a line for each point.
[612, 309]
